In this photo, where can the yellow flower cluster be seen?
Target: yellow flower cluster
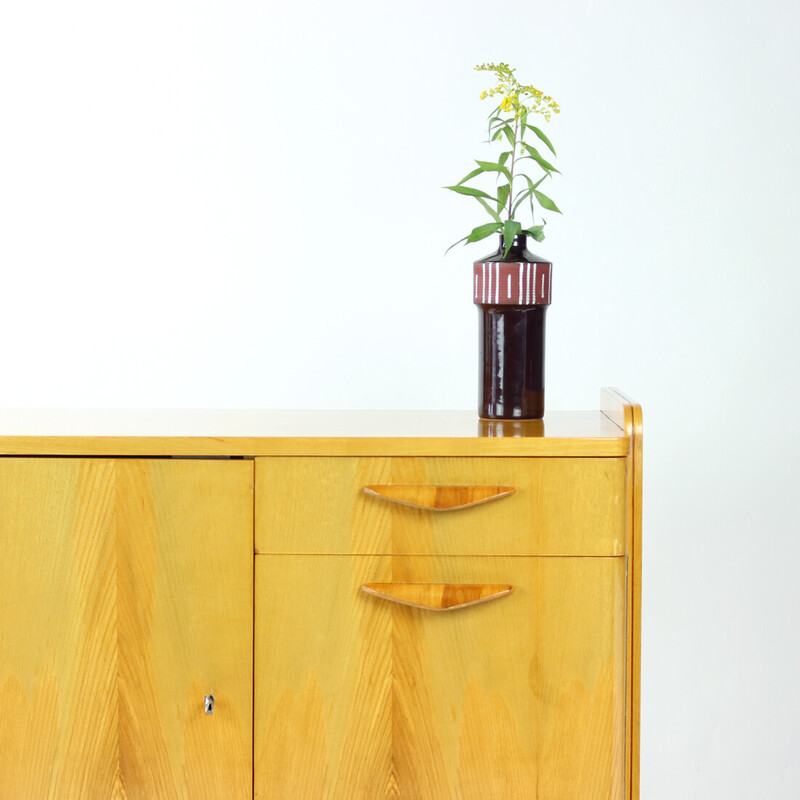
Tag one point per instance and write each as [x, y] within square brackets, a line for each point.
[512, 90]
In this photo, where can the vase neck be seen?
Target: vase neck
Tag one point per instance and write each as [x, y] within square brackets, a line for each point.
[518, 247]
[518, 253]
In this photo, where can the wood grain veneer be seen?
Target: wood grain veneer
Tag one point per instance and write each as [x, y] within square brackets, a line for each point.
[126, 597]
[627, 414]
[317, 505]
[251, 433]
[519, 699]
[130, 592]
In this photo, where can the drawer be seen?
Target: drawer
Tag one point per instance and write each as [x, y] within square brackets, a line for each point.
[546, 506]
[521, 697]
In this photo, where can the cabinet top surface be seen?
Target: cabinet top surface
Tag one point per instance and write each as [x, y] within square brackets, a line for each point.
[249, 432]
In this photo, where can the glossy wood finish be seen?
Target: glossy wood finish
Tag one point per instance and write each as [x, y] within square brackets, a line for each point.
[184, 555]
[59, 694]
[438, 596]
[123, 590]
[439, 498]
[316, 505]
[519, 699]
[627, 414]
[126, 597]
[281, 433]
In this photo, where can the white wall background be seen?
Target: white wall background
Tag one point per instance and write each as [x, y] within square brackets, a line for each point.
[185, 187]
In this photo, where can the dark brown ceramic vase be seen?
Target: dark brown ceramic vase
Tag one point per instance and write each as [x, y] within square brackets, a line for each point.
[512, 293]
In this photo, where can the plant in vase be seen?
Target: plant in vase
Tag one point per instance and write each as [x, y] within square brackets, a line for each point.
[512, 285]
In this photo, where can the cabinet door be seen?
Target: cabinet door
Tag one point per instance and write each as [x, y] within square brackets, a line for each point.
[521, 697]
[126, 599]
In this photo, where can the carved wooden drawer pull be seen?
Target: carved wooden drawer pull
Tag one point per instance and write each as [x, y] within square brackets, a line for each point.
[439, 498]
[438, 596]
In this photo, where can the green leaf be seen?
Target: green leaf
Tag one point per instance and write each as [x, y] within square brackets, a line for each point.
[504, 157]
[541, 180]
[503, 192]
[531, 188]
[454, 244]
[527, 193]
[536, 232]
[470, 176]
[509, 134]
[542, 137]
[534, 154]
[546, 202]
[495, 119]
[480, 196]
[470, 191]
[482, 231]
[510, 229]
[503, 128]
[492, 213]
[490, 166]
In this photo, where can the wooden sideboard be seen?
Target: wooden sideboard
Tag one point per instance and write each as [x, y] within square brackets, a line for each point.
[320, 605]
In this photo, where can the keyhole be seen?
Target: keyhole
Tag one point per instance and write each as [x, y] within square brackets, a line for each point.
[209, 703]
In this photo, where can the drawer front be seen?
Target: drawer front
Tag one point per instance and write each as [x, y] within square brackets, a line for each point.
[477, 506]
[519, 697]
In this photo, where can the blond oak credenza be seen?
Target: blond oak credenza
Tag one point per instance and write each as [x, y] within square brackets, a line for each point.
[320, 605]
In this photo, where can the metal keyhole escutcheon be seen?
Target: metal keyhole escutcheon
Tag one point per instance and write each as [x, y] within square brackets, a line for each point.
[208, 703]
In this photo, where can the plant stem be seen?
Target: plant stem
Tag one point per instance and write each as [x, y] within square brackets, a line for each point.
[513, 159]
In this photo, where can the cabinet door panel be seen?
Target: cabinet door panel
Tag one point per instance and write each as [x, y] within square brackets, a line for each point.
[126, 597]
[520, 697]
